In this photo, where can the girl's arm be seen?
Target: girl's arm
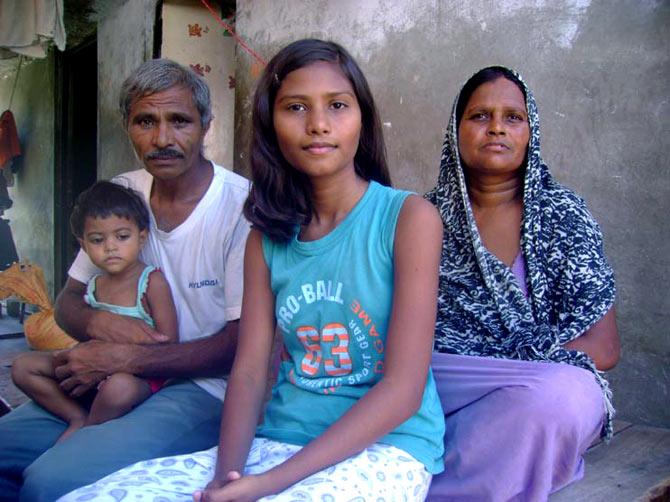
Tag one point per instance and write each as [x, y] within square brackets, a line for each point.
[161, 306]
[417, 249]
[248, 379]
[600, 342]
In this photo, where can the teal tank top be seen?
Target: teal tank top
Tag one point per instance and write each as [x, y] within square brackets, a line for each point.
[137, 311]
[333, 306]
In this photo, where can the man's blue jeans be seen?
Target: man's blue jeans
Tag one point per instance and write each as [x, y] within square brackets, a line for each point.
[180, 418]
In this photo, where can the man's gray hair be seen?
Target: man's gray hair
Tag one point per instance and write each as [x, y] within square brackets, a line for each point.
[158, 75]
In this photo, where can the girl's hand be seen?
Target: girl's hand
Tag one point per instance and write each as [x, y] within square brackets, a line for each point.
[215, 484]
[235, 488]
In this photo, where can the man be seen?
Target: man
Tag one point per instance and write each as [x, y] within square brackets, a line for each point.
[197, 238]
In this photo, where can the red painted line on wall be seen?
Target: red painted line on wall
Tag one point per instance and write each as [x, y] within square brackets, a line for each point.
[236, 37]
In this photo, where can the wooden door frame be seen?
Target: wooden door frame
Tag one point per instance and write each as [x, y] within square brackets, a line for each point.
[63, 143]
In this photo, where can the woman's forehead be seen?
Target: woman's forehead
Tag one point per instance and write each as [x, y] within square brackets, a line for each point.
[499, 92]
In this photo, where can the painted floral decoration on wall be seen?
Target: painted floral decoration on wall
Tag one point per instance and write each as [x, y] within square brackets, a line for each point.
[195, 30]
[200, 69]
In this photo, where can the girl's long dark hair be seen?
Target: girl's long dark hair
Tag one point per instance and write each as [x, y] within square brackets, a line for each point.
[280, 195]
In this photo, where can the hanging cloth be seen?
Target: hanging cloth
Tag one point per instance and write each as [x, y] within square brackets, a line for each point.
[9, 138]
[5, 201]
[8, 254]
[26, 26]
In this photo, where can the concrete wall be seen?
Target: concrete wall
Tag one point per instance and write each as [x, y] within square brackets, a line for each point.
[192, 37]
[599, 70]
[31, 216]
[125, 40]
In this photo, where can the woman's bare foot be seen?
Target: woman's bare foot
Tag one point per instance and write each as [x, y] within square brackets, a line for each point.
[74, 426]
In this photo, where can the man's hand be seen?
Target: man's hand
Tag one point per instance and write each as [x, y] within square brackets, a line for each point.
[82, 367]
[110, 327]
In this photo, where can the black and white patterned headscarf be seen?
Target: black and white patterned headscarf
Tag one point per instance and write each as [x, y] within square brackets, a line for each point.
[482, 311]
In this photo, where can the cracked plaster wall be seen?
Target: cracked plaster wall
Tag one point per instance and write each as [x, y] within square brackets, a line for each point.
[599, 70]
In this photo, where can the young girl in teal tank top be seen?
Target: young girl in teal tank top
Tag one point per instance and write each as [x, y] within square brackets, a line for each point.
[111, 224]
[346, 268]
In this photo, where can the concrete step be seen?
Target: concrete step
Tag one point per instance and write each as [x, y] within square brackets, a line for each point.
[635, 466]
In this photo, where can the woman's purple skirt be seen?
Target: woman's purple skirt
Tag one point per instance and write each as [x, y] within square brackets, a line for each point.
[515, 430]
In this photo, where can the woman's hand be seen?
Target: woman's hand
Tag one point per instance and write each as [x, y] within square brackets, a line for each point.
[235, 488]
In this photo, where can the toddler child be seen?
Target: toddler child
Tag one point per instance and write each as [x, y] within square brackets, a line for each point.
[111, 223]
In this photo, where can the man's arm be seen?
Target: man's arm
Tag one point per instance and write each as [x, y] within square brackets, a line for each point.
[84, 323]
[72, 313]
[83, 366]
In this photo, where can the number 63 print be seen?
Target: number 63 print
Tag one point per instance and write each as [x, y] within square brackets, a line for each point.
[313, 341]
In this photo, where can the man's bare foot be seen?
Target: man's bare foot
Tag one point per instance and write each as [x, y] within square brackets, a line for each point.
[74, 426]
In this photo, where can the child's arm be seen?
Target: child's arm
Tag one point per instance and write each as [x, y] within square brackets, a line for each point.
[33, 373]
[248, 378]
[398, 395]
[161, 306]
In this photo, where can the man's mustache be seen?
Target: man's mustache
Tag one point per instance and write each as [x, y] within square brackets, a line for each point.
[164, 153]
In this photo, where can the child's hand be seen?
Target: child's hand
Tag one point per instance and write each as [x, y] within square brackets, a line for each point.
[235, 488]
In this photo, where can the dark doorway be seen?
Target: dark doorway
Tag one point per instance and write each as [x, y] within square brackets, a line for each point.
[75, 143]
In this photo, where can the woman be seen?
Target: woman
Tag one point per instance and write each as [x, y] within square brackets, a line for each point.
[525, 313]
